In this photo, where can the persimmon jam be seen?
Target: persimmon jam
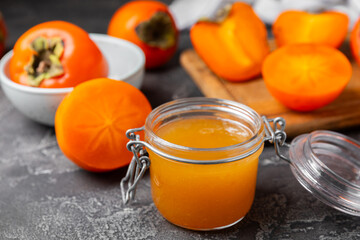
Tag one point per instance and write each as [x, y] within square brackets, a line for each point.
[204, 196]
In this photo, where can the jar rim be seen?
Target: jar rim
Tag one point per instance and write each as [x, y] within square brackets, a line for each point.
[254, 142]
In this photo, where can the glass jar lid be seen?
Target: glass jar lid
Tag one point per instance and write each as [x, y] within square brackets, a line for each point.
[327, 164]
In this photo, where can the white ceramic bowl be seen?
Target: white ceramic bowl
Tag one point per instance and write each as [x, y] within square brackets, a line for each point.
[126, 62]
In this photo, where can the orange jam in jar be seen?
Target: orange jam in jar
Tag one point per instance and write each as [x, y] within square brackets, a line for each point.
[204, 157]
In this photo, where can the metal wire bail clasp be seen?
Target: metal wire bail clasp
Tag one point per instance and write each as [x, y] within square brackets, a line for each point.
[276, 135]
[138, 165]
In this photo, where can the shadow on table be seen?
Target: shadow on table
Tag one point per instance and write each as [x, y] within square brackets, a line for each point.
[103, 179]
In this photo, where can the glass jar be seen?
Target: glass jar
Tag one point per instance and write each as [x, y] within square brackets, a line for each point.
[204, 188]
[213, 187]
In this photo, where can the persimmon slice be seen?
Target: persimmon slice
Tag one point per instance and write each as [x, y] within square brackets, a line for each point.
[235, 48]
[91, 123]
[305, 77]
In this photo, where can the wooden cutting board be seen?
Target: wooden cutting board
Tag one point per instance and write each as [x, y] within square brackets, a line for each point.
[343, 112]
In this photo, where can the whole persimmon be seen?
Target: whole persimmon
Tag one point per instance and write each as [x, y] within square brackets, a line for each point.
[91, 123]
[150, 25]
[56, 54]
[307, 76]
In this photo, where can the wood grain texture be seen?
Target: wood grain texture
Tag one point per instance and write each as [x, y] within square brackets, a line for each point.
[343, 112]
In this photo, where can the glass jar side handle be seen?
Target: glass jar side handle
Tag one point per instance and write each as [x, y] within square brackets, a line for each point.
[140, 162]
[276, 135]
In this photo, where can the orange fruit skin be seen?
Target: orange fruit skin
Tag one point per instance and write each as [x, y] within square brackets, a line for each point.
[82, 59]
[91, 123]
[305, 77]
[235, 48]
[329, 28]
[355, 42]
[125, 20]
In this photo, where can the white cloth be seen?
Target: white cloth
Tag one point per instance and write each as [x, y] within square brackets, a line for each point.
[187, 12]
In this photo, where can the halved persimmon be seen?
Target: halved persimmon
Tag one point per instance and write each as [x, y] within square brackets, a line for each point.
[233, 47]
[305, 77]
[329, 28]
[91, 123]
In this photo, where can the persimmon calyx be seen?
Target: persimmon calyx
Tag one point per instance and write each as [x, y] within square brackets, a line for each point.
[317, 10]
[220, 15]
[45, 62]
[158, 31]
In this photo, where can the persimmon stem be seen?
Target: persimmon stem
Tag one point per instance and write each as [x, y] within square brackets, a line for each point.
[45, 62]
[220, 15]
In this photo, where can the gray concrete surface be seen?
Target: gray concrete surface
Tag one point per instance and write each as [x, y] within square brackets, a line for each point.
[45, 196]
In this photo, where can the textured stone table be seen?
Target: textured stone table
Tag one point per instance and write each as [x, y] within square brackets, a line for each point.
[44, 196]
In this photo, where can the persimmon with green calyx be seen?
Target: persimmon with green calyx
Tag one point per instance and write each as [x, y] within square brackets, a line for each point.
[305, 77]
[56, 54]
[92, 120]
[150, 25]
